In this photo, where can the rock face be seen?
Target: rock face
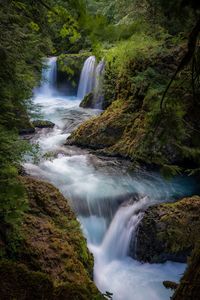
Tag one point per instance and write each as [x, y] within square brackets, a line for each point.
[169, 231]
[53, 260]
[189, 287]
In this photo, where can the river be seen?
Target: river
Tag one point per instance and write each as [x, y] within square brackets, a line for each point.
[107, 197]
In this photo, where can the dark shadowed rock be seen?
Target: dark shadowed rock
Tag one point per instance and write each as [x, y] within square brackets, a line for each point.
[169, 231]
[88, 101]
[189, 287]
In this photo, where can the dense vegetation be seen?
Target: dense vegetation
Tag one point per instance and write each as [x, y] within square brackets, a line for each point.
[28, 32]
[151, 49]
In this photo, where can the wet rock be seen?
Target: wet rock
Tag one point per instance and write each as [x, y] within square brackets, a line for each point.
[169, 231]
[43, 124]
[88, 101]
[27, 131]
[170, 285]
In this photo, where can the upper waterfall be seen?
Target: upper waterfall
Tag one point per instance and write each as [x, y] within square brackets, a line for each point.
[49, 76]
[87, 79]
[91, 81]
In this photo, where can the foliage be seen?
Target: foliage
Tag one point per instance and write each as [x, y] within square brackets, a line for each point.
[28, 32]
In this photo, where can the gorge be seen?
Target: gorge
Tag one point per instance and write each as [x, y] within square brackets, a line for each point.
[99, 150]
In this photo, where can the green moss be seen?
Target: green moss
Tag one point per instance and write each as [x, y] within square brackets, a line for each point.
[70, 65]
[169, 231]
[43, 124]
[52, 245]
[17, 282]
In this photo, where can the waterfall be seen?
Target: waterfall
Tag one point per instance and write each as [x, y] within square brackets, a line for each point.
[122, 229]
[98, 88]
[49, 76]
[87, 79]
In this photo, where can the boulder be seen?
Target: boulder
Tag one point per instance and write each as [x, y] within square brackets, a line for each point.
[168, 231]
[51, 260]
[43, 124]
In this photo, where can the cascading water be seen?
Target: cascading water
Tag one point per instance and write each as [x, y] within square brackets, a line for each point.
[86, 83]
[91, 80]
[99, 191]
[49, 77]
[117, 239]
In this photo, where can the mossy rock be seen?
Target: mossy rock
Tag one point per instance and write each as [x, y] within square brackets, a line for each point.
[189, 287]
[17, 282]
[88, 101]
[108, 131]
[168, 231]
[70, 66]
[51, 247]
[43, 124]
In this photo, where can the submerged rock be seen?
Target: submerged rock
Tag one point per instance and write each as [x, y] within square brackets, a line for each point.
[53, 261]
[169, 231]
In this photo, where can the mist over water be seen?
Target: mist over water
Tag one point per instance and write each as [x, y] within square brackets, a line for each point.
[108, 199]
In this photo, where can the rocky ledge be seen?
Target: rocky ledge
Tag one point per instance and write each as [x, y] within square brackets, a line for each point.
[169, 231]
[52, 260]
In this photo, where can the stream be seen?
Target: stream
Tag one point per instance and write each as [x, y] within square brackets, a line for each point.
[108, 199]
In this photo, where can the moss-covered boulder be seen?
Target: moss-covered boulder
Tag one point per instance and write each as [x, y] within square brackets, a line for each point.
[52, 250]
[88, 101]
[168, 231]
[43, 124]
